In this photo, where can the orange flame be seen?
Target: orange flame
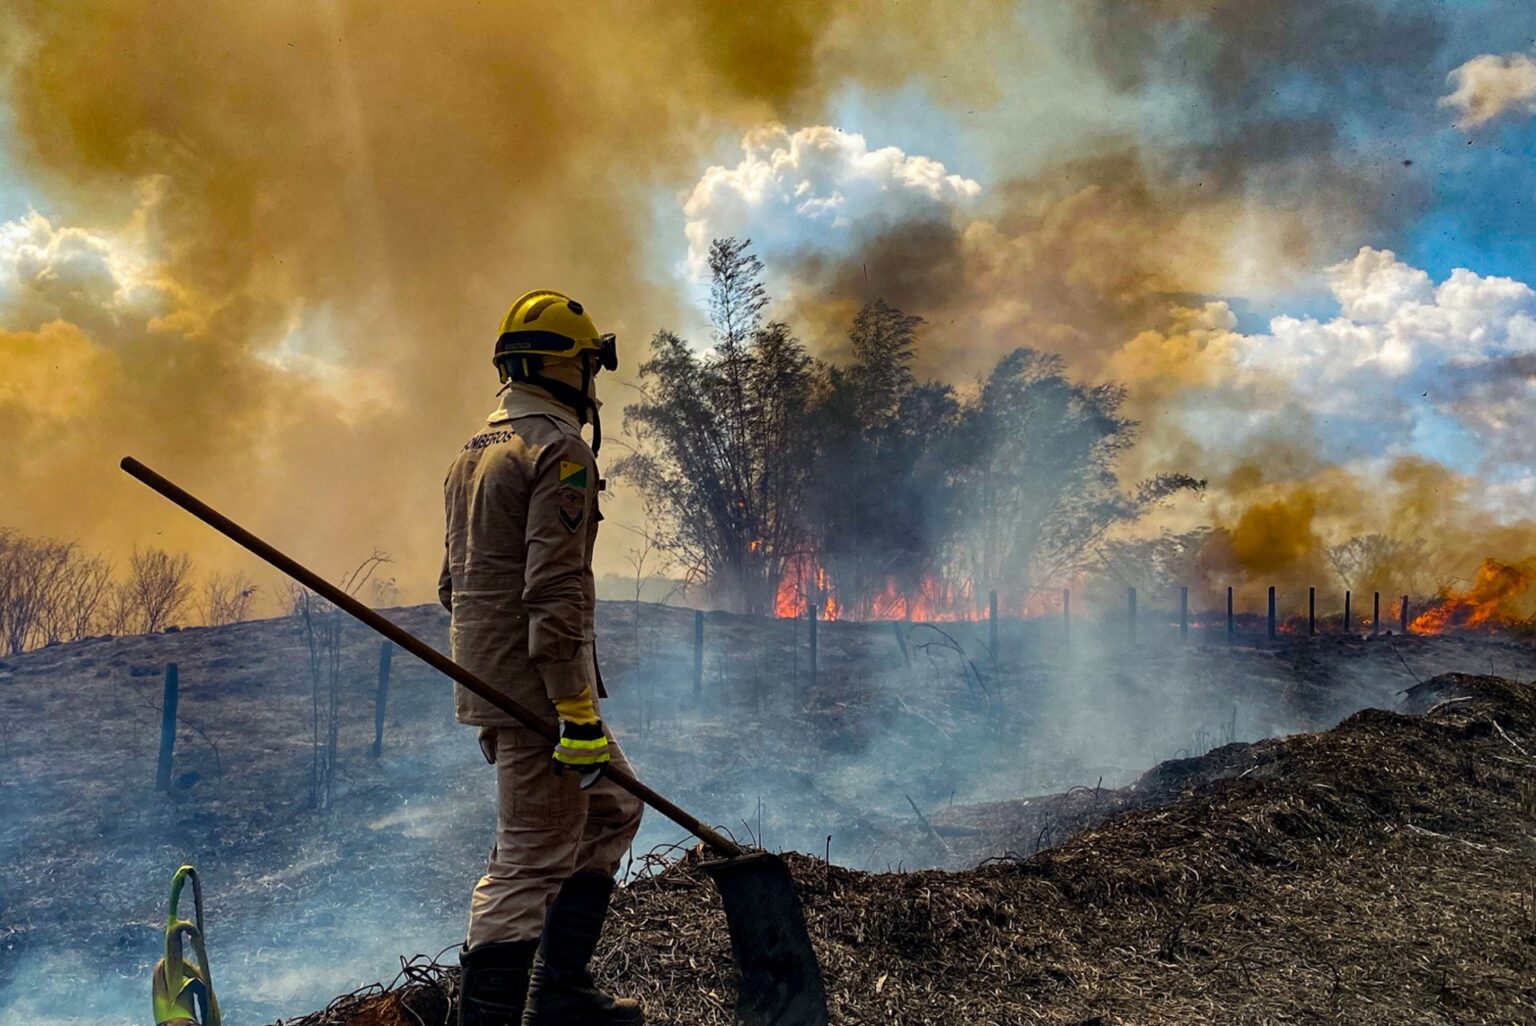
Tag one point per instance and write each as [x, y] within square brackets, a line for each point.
[1490, 603]
[930, 600]
[805, 581]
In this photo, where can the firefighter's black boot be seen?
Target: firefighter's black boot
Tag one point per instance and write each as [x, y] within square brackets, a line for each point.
[562, 992]
[494, 983]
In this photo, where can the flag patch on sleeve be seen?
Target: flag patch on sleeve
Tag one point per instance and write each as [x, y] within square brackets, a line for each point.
[573, 474]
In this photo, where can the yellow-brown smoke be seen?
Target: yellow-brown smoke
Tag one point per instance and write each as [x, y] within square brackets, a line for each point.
[296, 224]
[1416, 528]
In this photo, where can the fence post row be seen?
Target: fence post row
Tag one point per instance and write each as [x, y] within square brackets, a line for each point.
[1183, 612]
[168, 726]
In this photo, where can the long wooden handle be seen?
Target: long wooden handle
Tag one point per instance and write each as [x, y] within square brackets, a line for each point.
[412, 644]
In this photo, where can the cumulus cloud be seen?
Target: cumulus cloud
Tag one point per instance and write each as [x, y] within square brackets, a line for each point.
[1396, 322]
[817, 181]
[1408, 367]
[1491, 85]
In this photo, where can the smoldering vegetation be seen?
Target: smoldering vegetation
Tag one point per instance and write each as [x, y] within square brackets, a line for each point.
[882, 760]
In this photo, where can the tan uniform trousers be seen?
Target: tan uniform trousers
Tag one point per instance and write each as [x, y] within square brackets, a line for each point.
[547, 828]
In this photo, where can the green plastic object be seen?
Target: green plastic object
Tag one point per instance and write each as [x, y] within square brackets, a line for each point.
[183, 990]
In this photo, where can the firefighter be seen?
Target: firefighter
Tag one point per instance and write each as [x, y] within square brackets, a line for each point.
[521, 505]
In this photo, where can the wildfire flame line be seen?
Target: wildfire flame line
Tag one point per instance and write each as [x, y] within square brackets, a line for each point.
[1490, 602]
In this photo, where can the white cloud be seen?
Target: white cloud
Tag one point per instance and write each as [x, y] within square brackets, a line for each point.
[1395, 321]
[101, 281]
[1407, 361]
[818, 184]
[1490, 85]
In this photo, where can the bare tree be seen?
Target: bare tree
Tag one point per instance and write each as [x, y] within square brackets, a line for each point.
[29, 583]
[81, 596]
[322, 622]
[226, 598]
[157, 590]
[386, 593]
[1379, 562]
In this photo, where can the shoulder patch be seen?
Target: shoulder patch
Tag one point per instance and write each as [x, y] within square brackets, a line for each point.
[573, 474]
[573, 508]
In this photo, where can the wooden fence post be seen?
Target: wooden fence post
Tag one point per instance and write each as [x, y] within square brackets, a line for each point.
[168, 726]
[992, 625]
[900, 627]
[1376, 615]
[1311, 612]
[1066, 617]
[1183, 611]
[381, 697]
[1271, 612]
[812, 608]
[1347, 597]
[1405, 614]
[1231, 619]
[698, 653]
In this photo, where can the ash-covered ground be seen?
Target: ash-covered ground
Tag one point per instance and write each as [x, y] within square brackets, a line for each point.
[914, 748]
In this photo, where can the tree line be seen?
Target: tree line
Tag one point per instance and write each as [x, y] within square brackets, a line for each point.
[54, 591]
[859, 481]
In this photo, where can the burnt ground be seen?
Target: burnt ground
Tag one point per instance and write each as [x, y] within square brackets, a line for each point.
[1383, 872]
[305, 903]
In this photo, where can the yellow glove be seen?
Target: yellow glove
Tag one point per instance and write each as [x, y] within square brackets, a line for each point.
[583, 745]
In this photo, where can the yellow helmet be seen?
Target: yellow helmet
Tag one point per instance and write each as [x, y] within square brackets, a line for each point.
[548, 323]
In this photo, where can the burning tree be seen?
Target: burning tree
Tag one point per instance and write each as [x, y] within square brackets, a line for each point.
[719, 459]
[873, 513]
[860, 489]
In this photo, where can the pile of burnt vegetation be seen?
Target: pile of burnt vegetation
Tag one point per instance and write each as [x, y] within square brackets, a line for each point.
[1380, 872]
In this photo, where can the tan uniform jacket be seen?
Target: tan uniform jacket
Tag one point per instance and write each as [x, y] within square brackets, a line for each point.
[521, 506]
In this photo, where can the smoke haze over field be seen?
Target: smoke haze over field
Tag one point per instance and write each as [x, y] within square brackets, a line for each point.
[263, 247]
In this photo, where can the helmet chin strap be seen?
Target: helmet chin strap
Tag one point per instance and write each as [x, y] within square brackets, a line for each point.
[578, 399]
